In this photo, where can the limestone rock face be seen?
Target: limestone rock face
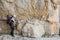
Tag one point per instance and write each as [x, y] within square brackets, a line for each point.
[33, 29]
[45, 11]
[10, 1]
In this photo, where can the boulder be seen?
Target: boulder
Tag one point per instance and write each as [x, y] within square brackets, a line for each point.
[33, 29]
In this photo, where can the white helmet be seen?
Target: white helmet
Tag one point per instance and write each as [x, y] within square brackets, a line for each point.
[14, 16]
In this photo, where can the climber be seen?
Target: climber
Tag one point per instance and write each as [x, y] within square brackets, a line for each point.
[11, 20]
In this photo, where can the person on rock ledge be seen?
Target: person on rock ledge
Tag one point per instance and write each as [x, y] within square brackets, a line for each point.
[11, 20]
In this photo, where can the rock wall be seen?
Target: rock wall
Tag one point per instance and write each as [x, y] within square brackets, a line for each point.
[45, 11]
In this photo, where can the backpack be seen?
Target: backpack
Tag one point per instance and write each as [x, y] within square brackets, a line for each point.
[8, 19]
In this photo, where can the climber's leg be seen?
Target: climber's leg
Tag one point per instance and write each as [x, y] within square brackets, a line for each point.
[12, 31]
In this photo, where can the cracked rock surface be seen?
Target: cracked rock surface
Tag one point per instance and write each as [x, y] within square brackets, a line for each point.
[42, 16]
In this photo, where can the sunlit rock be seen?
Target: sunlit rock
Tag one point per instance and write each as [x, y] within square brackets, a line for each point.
[33, 28]
[46, 11]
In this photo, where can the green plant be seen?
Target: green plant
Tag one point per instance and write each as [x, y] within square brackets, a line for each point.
[46, 35]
